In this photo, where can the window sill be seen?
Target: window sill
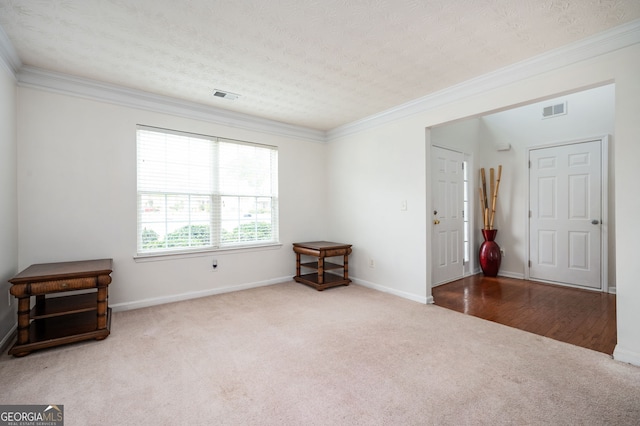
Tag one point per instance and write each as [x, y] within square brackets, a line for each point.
[155, 257]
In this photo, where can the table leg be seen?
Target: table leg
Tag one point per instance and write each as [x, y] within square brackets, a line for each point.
[102, 308]
[297, 264]
[320, 270]
[24, 306]
[102, 298]
[345, 266]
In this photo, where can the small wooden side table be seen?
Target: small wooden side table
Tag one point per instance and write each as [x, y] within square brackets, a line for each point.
[59, 320]
[321, 279]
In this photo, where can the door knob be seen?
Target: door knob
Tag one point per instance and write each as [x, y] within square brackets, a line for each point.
[436, 222]
[595, 222]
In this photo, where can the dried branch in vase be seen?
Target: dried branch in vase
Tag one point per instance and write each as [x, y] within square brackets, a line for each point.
[489, 212]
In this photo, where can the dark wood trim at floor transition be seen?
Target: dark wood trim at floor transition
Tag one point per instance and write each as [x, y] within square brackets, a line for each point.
[580, 317]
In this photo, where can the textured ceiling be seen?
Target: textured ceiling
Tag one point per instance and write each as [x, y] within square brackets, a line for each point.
[314, 63]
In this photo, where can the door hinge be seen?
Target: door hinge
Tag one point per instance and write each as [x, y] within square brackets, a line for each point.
[529, 163]
[529, 214]
[529, 264]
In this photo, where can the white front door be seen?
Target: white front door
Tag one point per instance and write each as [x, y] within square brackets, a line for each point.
[565, 201]
[447, 218]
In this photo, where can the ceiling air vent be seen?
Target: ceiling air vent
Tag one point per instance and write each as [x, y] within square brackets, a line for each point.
[223, 94]
[554, 110]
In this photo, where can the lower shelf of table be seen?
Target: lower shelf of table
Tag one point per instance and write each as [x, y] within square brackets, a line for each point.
[328, 280]
[65, 305]
[60, 330]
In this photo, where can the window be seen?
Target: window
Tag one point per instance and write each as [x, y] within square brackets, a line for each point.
[200, 193]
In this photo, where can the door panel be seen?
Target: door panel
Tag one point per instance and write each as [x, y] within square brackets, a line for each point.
[566, 210]
[547, 253]
[447, 219]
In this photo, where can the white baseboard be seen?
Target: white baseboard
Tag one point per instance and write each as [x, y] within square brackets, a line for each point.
[8, 337]
[624, 355]
[501, 273]
[515, 275]
[403, 294]
[612, 290]
[145, 303]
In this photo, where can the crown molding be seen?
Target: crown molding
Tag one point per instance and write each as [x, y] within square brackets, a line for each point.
[91, 89]
[605, 42]
[591, 47]
[9, 58]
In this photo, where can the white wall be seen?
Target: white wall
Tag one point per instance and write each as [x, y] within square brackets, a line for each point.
[352, 168]
[8, 202]
[627, 176]
[370, 176]
[591, 113]
[77, 199]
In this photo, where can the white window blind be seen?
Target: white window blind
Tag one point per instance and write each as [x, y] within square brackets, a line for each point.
[198, 192]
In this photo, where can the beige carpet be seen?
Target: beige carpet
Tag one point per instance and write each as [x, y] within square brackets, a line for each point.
[289, 355]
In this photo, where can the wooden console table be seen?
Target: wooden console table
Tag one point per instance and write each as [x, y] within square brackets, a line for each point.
[59, 320]
[321, 279]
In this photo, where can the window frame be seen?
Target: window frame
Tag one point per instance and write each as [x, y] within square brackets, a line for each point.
[215, 195]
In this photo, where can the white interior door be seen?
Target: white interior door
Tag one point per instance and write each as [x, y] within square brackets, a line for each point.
[565, 199]
[447, 218]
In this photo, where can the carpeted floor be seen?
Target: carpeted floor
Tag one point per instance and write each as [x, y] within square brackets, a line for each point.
[289, 355]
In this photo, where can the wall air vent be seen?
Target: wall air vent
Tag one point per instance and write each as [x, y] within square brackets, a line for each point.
[554, 110]
[224, 94]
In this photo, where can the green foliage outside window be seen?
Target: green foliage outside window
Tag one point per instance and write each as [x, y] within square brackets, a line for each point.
[199, 236]
[248, 232]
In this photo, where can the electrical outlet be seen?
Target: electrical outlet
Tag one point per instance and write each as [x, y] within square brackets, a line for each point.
[372, 263]
[9, 297]
[502, 252]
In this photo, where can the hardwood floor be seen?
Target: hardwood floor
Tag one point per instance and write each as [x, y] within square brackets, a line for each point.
[580, 317]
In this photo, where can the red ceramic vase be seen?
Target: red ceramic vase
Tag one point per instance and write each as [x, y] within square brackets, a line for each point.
[490, 256]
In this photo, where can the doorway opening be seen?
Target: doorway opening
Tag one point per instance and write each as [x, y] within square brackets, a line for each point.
[505, 138]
